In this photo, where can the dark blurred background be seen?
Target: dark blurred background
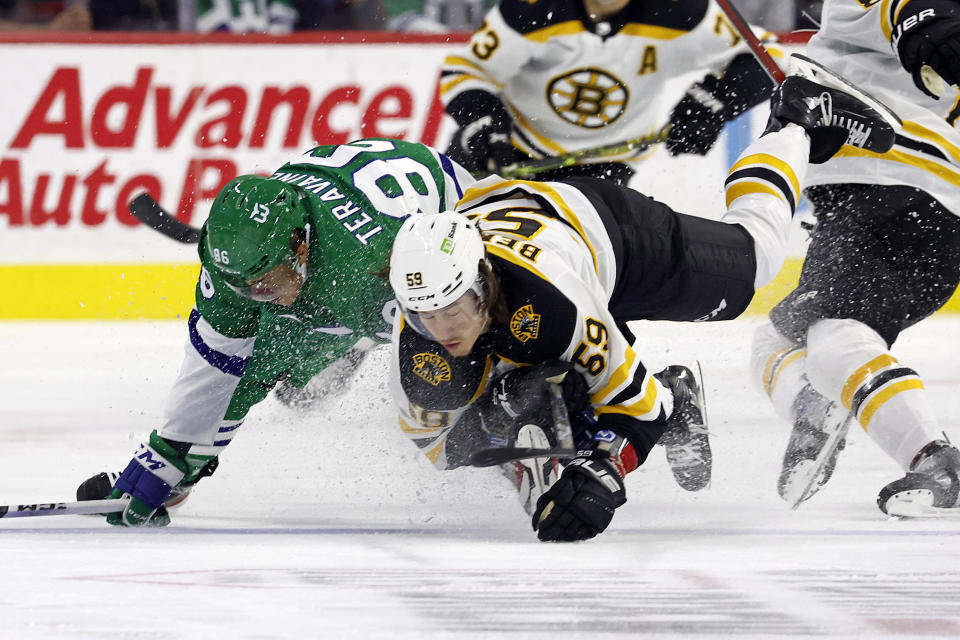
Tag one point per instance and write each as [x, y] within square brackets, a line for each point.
[285, 16]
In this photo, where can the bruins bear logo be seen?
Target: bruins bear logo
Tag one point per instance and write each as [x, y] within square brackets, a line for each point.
[589, 98]
[525, 324]
[432, 368]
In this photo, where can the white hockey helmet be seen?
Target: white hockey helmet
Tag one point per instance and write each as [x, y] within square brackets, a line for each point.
[435, 261]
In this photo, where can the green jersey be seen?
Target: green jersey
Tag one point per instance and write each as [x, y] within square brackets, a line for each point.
[357, 196]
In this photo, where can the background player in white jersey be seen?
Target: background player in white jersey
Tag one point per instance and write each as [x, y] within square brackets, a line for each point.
[885, 254]
[526, 280]
[544, 78]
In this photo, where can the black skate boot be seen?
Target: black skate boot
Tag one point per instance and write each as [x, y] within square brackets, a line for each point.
[819, 434]
[931, 487]
[532, 476]
[687, 440]
[832, 111]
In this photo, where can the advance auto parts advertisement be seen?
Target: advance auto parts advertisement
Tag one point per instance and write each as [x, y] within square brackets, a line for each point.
[91, 125]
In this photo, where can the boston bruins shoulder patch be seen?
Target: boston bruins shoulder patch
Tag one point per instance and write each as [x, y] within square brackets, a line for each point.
[525, 324]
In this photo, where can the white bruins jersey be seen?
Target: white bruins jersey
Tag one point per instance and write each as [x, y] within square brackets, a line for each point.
[571, 84]
[557, 267]
[856, 41]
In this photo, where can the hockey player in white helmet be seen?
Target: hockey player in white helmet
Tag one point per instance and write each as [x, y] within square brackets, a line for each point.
[527, 281]
[545, 78]
[883, 256]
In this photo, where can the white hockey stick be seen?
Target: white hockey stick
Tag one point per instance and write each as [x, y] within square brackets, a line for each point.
[85, 507]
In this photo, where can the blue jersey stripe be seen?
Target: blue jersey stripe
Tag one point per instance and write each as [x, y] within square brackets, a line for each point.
[232, 365]
[447, 166]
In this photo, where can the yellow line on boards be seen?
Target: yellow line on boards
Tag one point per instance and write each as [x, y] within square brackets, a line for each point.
[165, 291]
[97, 292]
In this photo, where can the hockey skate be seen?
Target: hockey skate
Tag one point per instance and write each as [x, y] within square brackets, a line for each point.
[931, 489]
[98, 487]
[532, 477]
[832, 111]
[329, 383]
[686, 440]
[819, 434]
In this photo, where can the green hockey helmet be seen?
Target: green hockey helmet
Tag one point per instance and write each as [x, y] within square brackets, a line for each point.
[250, 226]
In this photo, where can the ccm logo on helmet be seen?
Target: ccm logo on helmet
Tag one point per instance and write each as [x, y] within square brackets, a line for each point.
[413, 298]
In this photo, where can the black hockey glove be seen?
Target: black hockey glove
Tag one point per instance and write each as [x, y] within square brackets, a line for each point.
[697, 119]
[581, 502]
[937, 45]
[522, 396]
[482, 143]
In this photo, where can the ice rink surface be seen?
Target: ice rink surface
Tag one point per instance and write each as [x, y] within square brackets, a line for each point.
[327, 523]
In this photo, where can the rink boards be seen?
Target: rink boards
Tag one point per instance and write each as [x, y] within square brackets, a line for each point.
[95, 122]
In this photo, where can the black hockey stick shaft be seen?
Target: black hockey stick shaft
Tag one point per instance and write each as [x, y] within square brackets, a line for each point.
[148, 211]
[561, 426]
[112, 505]
[502, 455]
[762, 55]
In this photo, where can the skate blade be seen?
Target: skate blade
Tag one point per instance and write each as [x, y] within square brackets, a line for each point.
[812, 70]
[918, 503]
[807, 481]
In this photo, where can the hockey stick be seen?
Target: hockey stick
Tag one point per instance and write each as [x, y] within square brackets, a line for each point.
[558, 407]
[145, 209]
[762, 55]
[501, 455]
[532, 167]
[561, 424]
[930, 78]
[85, 507]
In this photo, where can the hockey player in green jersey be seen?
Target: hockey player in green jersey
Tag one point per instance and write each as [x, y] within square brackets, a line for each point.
[287, 286]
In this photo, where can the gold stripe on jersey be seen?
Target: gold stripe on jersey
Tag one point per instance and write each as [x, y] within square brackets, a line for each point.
[776, 365]
[651, 31]
[876, 400]
[952, 118]
[860, 376]
[919, 131]
[528, 130]
[886, 24]
[542, 189]
[411, 430]
[645, 406]
[890, 16]
[765, 160]
[457, 80]
[567, 28]
[745, 188]
[483, 381]
[625, 371]
[467, 70]
[514, 258]
[925, 164]
[433, 454]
